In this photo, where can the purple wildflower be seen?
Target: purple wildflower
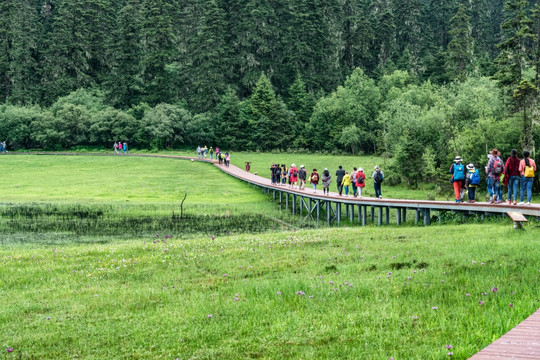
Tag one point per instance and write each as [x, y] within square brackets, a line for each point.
[209, 316]
[278, 293]
[480, 302]
[168, 237]
[494, 289]
[450, 353]
[449, 347]
[434, 308]
[389, 273]
[9, 349]
[467, 294]
[511, 305]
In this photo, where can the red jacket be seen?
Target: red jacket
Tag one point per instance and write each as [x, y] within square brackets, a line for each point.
[360, 179]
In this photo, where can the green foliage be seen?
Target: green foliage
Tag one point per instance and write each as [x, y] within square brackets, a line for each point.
[460, 52]
[163, 126]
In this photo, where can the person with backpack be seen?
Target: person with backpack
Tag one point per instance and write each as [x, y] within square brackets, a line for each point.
[293, 176]
[273, 174]
[378, 178]
[457, 170]
[512, 175]
[283, 175]
[353, 181]
[360, 181]
[327, 180]
[125, 148]
[115, 147]
[227, 159]
[495, 169]
[472, 181]
[302, 175]
[340, 173]
[277, 176]
[527, 168]
[346, 183]
[314, 180]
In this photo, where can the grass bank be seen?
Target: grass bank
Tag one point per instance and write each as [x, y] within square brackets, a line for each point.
[371, 293]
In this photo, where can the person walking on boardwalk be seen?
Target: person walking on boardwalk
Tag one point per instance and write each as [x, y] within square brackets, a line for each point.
[293, 176]
[326, 181]
[277, 175]
[378, 178]
[199, 151]
[273, 174]
[353, 181]
[457, 170]
[527, 169]
[227, 159]
[360, 181]
[125, 148]
[340, 173]
[302, 176]
[512, 176]
[284, 173]
[495, 169]
[472, 181]
[314, 180]
[115, 147]
[205, 151]
[211, 151]
[346, 182]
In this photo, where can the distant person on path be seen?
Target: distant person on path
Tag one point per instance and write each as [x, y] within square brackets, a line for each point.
[199, 150]
[314, 180]
[284, 173]
[293, 176]
[115, 147]
[277, 175]
[527, 169]
[227, 159]
[302, 175]
[346, 182]
[472, 181]
[495, 169]
[360, 181]
[4, 147]
[512, 176]
[457, 170]
[220, 157]
[340, 173]
[327, 180]
[125, 148]
[273, 174]
[378, 178]
[211, 151]
[353, 181]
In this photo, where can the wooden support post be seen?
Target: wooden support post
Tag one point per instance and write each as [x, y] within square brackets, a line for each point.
[338, 211]
[379, 218]
[274, 194]
[387, 215]
[427, 217]
[483, 216]
[280, 197]
[318, 205]
[294, 204]
[346, 210]
[404, 215]
[328, 210]
[372, 214]
[351, 214]
[287, 201]
[417, 216]
[364, 215]
[398, 216]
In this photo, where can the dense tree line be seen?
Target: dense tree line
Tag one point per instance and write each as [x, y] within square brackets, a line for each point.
[414, 80]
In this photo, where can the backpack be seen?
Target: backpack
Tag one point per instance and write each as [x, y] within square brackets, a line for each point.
[498, 167]
[459, 172]
[315, 178]
[378, 177]
[475, 178]
[295, 173]
[360, 179]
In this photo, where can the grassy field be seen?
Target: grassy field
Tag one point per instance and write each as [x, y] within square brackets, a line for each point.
[372, 293]
[93, 265]
[112, 195]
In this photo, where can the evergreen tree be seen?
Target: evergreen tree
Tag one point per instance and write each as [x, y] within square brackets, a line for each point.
[515, 47]
[230, 126]
[407, 14]
[124, 86]
[460, 49]
[159, 51]
[536, 46]
[386, 37]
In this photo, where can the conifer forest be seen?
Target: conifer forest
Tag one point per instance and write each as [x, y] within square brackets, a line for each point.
[416, 81]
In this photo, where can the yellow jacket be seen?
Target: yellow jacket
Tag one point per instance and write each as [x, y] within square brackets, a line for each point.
[346, 180]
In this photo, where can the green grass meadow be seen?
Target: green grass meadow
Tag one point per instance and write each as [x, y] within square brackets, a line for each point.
[96, 264]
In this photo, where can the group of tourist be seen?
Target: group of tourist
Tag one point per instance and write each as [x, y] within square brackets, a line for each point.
[3, 147]
[354, 181]
[510, 173]
[223, 158]
[119, 147]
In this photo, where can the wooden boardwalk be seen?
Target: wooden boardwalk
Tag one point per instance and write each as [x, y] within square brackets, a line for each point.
[522, 342]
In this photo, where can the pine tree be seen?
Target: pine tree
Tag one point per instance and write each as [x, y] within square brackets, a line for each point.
[536, 47]
[124, 86]
[159, 51]
[407, 14]
[229, 123]
[515, 47]
[460, 49]
[386, 37]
